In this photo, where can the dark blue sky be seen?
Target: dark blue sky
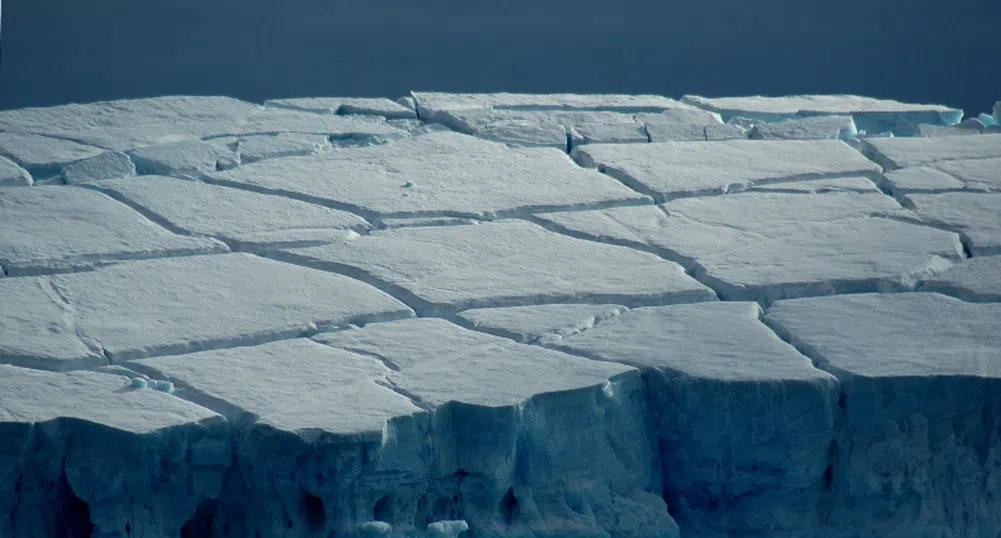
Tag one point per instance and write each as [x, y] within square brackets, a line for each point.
[57, 51]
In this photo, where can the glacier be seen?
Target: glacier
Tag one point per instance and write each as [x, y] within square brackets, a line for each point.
[500, 315]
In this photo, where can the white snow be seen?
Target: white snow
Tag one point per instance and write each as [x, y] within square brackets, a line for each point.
[261, 147]
[673, 169]
[39, 329]
[451, 174]
[12, 174]
[820, 186]
[129, 124]
[495, 371]
[509, 263]
[542, 323]
[241, 218]
[974, 280]
[765, 246]
[545, 128]
[976, 174]
[678, 124]
[976, 215]
[894, 153]
[178, 305]
[54, 229]
[108, 165]
[922, 179]
[972, 174]
[280, 120]
[294, 385]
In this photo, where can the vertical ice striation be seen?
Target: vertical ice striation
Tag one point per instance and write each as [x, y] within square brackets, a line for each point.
[917, 451]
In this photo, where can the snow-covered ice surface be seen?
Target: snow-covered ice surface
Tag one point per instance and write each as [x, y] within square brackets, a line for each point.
[975, 280]
[50, 229]
[439, 174]
[894, 153]
[244, 220]
[499, 315]
[443, 269]
[766, 245]
[679, 169]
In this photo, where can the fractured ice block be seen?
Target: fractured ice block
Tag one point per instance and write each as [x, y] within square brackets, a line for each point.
[974, 280]
[40, 330]
[808, 128]
[871, 115]
[12, 174]
[670, 170]
[243, 219]
[107, 165]
[57, 228]
[131, 123]
[542, 323]
[717, 368]
[930, 131]
[688, 124]
[519, 418]
[974, 215]
[922, 179]
[430, 104]
[374, 106]
[382, 424]
[280, 120]
[545, 128]
[905, 457]
[260, 147]
[765, 246]
[43, 156]
[76, 451]
[188, 157]
[451, 175]
[894, 153]
[170, 306]
[511, 263]
[976, 174]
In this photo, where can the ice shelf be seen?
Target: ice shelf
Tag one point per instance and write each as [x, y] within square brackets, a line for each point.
[500, 316]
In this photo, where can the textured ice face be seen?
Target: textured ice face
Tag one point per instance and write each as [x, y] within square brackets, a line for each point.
[327, 316]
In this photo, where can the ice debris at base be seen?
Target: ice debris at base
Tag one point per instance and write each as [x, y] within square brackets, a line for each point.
[639, 317]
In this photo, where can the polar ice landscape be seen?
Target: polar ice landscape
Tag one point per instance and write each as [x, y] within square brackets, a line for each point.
[500, 315]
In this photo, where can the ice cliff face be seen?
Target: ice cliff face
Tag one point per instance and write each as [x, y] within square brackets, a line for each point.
[335, 317]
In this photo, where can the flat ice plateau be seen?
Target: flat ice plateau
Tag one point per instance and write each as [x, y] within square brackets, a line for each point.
[500, 315]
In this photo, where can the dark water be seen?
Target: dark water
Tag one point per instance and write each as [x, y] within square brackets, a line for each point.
[57, 51]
